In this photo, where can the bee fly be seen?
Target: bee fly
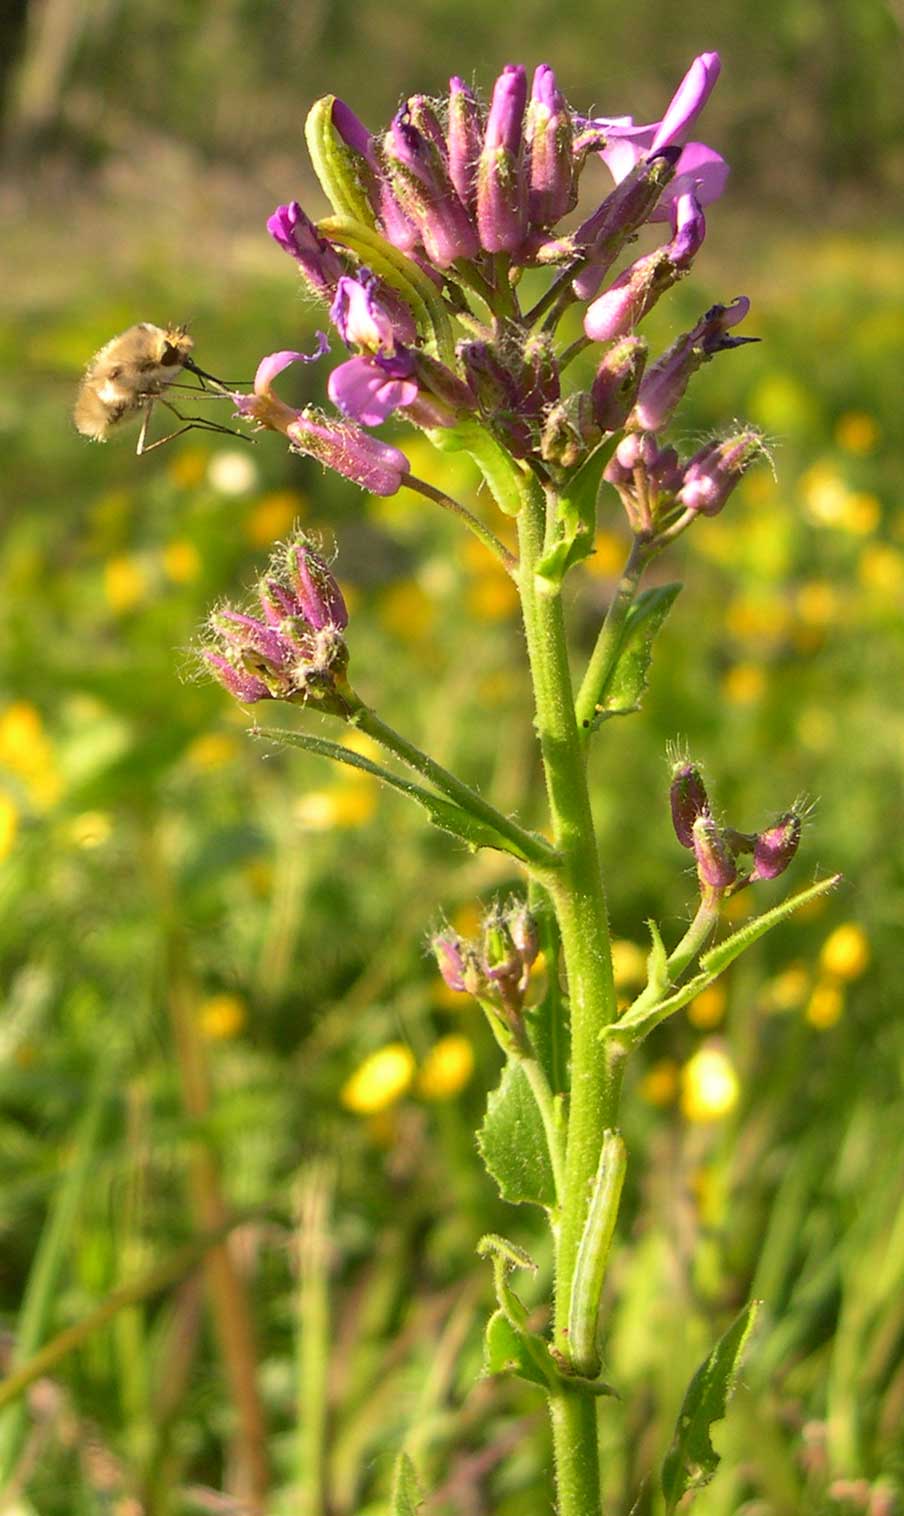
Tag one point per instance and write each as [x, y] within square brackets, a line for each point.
[130, 375]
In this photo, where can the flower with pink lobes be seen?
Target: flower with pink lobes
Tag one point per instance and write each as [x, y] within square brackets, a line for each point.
[699, 169]
[369, 389]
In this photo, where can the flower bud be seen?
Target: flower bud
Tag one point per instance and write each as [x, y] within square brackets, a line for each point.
[716, 866]
[716, 469]
[523, 928]
[420, 182]
[665, 383]
[688, 799]
[463, 141]
[617, 379]
[315, 256]
[570, 430]
[502, 189]
[603, 235]
[448, 949]
[774, 848]
[553, 189]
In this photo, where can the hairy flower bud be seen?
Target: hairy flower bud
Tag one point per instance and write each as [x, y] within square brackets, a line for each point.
[553, 189]
[688, 800]
[463, 141]
[774, 848]
[616, 383]
[716, 469]
[316, 257]
[420, 181]
[570, 430]
[502, 188]
[716, 866]
[665, 383]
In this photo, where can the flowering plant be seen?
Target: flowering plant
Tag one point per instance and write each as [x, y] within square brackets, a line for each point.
[436, 223]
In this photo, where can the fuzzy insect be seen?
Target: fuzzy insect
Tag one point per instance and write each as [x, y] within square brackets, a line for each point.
[130, 374]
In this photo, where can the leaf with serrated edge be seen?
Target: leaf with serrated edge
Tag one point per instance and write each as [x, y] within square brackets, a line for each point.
[406, 1497]
[507, 1352]
[576, 516]
[628, 680]
[512, 1142]
[691, 1461]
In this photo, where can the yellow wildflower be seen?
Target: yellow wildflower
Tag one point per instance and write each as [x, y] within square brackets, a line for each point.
[181, 561]
[492, 597]
[659, 1085]
[21, 736]
[708, 1009]
[380, 1080]
[447, 1068]
[709, 1085]
[856, 432]
[862, 514]
[125, 583]
[467, 919]
[629, 964]
[880, 569]
[825, 1004]
[608, 557]
[90, 829]
[187, 467]
[343, 805]
[272, 516]
[789, 988]
[359, 742]
[845, 953]
[212, 750]
[221, 1017]
[817, 603]
[9, 825]
[744, 684]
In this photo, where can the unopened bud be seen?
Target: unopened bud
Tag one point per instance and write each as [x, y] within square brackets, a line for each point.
[501, 177]
[688, 799]
[716, 866]
[716, 469]
[570, 430]
[615, 387]
[774, 848]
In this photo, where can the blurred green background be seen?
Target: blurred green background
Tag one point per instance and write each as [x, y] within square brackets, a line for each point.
[204, 938]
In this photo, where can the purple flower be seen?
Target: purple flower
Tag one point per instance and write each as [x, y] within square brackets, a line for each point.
[502, 189]
[699, 168]
[370, 388]
[665, 383]
[315, 256]
[339, 445]
[553, 188]
[716, 469]
[688, 800]
[296, 652]
[449, 951]
[463, 140]
[419, 178]
[628, 299]
[360, 316]
[353, 132]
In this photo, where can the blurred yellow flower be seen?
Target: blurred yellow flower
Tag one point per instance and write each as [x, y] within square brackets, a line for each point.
[359, 742]
[829, 502]
[857, 432]
[447, 1068]
[125, 583]
[467, 919]
[406, 611]
[862, 514]
[26, 749]
[90, 829]
[221, 1017]
[9, 825]
[181, 561]
[659, 1085]
[709, 1085]
[272, 516]
[188, 467]
[825, 1004]
[629, 964]
[757, 619]
[845, 953]
[609, 555]
[817, 603]
[781, 404]
[708, 1009]
[212, 750]
[380, 1080]
[880, 568]
[789, 988]
[346, 804]
[744, 684]
[492, 596]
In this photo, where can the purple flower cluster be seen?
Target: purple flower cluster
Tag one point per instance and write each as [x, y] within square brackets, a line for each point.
[294, 650]
[717, 848]
[495, 970]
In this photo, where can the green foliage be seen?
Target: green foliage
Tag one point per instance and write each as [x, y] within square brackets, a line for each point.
[626, 684]
[512, 1142]
[692, 1460]
[406, 1497]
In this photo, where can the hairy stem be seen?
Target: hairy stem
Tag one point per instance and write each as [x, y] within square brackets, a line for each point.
[575, 1441]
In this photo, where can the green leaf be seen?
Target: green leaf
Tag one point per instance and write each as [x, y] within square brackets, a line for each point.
[692, 1460]
[576, 516]
[724, 953]
[400, 273]
[443, 813]
[512, 1142]
[657, 962]
[406, 1496]
[626, 684]
[505, 1256]
[336, 166]
[507, 1351]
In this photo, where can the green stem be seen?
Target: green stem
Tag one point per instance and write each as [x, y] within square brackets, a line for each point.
[605, 654]
[580, 905]
[549, 1116]
[575, 1441]
[542, 857]
[472, 522]
[695, 938]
